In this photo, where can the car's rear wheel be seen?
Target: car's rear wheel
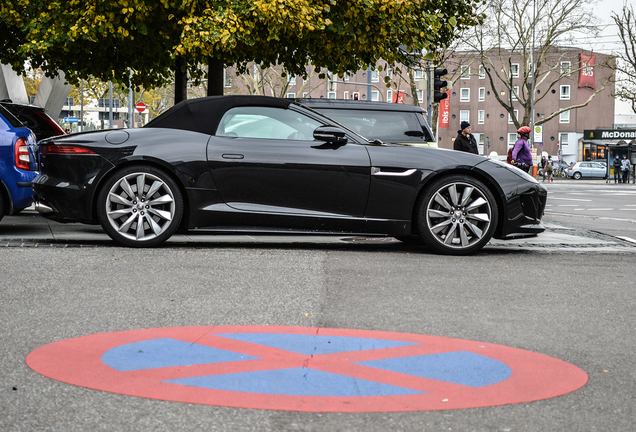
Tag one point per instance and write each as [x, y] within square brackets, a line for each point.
[577, 176]
[457, 215]
[2, 206]
[140, 206]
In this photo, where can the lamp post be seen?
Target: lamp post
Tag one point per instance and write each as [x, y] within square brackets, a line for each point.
[534, 17]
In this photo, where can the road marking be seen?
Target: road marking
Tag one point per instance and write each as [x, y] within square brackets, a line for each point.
[570, 199]
[629, 239]
[306, 369]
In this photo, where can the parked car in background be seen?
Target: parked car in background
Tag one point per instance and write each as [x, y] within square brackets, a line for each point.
[35, 118]
[587, 170]
[17, 159]
[388, 122]
[264, 164]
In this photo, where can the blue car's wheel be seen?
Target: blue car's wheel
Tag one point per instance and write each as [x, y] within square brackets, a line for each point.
[140, 206]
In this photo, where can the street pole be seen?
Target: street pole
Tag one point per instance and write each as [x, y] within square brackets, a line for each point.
[110, 104]
[131, 98]
[431, 90]
[534, 18]
[82, 106]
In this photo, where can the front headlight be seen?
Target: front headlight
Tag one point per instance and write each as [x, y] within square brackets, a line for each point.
[524, 175]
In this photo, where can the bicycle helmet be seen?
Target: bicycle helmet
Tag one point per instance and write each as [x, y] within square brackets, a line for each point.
[524, 130]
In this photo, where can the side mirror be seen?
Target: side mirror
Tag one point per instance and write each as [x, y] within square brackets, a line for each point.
[330, 134]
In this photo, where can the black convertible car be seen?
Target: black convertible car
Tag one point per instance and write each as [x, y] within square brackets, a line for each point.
[262, 164]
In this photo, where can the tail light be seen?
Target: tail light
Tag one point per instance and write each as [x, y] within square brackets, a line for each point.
[22, 154]
[64, 149]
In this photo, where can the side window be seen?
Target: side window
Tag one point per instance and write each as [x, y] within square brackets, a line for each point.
[267, 123]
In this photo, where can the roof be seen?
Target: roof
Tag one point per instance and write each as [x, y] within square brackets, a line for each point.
[357, 104]
[204, 114]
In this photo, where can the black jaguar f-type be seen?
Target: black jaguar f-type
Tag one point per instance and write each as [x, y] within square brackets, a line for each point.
[262, 164]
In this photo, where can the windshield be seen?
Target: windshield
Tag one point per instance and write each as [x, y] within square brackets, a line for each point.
[387, 126]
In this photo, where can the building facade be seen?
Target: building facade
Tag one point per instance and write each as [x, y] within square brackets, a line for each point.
[472, 99]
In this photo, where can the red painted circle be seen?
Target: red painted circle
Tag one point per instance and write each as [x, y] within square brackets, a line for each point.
[80, 361]
[141, 107]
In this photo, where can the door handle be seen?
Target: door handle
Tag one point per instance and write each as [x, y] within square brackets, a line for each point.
[232, 156]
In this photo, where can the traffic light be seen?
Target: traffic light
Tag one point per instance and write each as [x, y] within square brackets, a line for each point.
[439, 84]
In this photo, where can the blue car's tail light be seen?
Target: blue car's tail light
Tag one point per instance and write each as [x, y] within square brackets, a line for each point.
[22, 160]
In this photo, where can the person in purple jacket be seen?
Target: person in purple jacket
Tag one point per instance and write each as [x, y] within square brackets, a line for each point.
[521, 156]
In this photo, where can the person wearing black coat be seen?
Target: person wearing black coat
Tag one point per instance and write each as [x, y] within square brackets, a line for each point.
[465, 141]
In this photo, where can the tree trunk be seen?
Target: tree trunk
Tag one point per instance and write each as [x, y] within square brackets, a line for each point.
[215, 77]
[180, 80]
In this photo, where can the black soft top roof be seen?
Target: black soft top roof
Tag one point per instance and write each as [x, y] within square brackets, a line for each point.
[204, 114]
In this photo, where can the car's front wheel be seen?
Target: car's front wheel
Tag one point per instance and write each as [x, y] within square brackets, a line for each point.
[457, 215]
[140, 206]
[577, 176]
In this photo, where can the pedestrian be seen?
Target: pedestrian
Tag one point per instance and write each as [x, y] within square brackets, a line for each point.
[549, 167]
[544, 162]
[521, 156]
[465, 141]
[616, 163]
[626, 168]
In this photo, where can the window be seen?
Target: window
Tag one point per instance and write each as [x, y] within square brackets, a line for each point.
[345, 77]
[510, 119]
[512, 138]
[227, 79]
[331, 95]
[389, 95]
[332, 85]
[464, 115]
[266, 123]
[565, 92]
[480, 140]
[419, 74]
[563, 139]
[464, 95]
[375, 95]
[291, 95]
[514, 94]
[482, 94]
[514, 70]
[305, 94]
[482, 72]
[292, 80]
[465, 72]
[420, 96]
[375, 76]
[564, 117]
[389, 73]
[481, 116]
[566, 68]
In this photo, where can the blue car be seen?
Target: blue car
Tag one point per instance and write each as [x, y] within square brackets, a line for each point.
[17, 164]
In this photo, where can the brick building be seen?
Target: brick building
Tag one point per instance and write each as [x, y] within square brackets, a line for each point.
[472, 99]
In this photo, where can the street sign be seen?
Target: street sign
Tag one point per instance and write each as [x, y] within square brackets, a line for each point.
[71, 119]
[141, 107]
[538, 134]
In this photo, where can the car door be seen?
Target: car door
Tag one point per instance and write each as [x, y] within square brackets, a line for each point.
[597, 170]
[584, 168]
[265, 160]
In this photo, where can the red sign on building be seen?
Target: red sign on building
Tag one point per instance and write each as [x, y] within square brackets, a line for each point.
[444, 111]
[586, 70]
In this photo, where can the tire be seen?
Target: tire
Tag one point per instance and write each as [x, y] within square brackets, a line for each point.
[3, 206]
[457, 215]
[120, 208]
[577, 176]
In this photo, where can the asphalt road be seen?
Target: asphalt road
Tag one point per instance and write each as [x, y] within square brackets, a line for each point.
[568, 294]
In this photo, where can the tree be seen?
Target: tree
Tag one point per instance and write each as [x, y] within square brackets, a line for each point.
[503, 49]
[153, 38]
[627, 61]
